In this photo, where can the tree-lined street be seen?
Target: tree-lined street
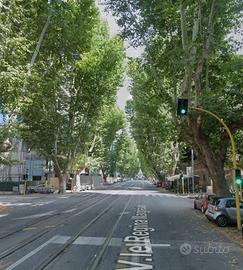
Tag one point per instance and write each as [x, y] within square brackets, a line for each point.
[86, 183]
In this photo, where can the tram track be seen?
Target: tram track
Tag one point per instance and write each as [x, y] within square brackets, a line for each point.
[50, 259]
[43, 232]
[25, 226]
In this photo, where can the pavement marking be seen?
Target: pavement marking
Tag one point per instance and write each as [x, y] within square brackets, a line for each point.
[50, 226]
[160, 245]
[42, 203]
[59, 239]
[70, 210]
[97, 241]
[115, 242]
[139, 266]
[37, 215]
[4, 215]
[30, 254]
[15, 204]
[29, 229]
[124, 213]
[137, 246]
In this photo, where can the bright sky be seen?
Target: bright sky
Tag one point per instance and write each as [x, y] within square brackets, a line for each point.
[123, 93]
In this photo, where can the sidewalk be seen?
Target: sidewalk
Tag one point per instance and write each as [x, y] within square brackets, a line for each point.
[3, 210]
[8, 193]
[188, 196]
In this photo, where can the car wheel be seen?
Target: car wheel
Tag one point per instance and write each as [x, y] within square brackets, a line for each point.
[222, 221]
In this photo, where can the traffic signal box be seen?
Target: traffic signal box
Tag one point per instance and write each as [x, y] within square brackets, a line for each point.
[182, 107]
[238, 178]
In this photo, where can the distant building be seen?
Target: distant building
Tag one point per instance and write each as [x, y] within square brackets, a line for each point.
[27, 165]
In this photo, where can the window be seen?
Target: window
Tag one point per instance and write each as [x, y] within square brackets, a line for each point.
[230, 204]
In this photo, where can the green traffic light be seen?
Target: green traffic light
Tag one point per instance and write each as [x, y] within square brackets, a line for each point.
[183, 111]
[238, 181]
[182, 107]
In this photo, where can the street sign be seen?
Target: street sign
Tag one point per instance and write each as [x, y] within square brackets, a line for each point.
[189, 171]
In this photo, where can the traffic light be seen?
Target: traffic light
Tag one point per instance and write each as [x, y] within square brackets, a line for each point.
[182, 107]
[238, 179]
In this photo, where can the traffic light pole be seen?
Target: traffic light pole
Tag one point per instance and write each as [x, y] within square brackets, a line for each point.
[233, 160]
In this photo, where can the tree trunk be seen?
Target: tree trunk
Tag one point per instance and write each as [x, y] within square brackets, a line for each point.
[214, 162]
[62, 180]
[220, 185]
[104, 176]
[62, 177]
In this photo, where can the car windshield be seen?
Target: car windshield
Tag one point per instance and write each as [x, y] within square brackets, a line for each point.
[210, 196]
[214, 200]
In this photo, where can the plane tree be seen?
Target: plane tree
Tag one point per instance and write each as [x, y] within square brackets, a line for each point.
[108, 128]
[190, 54]
[78, 70]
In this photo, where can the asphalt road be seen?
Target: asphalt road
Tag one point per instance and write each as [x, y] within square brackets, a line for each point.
[125, 226]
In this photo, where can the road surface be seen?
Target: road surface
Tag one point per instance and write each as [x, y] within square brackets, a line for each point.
[128, 225]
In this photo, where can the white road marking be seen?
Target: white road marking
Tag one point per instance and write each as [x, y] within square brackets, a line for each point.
[37, 215]
[139, 266]
[3, 215]
[97, 241]
[124, 213]
[30, 254]
[135, 254]
[59, 239]
[115, 242]
[42, 203]
[70, 210]
[15, 204]
[160, 245]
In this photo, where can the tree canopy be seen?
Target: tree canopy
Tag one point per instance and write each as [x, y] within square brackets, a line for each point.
[188, 53]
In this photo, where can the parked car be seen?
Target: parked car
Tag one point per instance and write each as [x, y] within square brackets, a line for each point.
[83, 187]
[41, 189]
[223, 211]
[201, 201]
[159, 184]
[89, 186]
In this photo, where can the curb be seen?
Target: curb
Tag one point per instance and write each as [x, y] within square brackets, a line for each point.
[3, 209]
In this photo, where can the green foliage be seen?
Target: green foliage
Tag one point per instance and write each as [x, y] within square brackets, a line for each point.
[152, 126]
[58, 69]
[187, 54]
[127, 161]
[122, 159]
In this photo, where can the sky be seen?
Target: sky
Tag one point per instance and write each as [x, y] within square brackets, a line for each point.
[123, 93]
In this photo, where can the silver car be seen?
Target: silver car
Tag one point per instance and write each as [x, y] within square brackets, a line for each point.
[223, 211]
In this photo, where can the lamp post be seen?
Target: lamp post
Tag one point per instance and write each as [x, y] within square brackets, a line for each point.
[193, 177]
[90, 155]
